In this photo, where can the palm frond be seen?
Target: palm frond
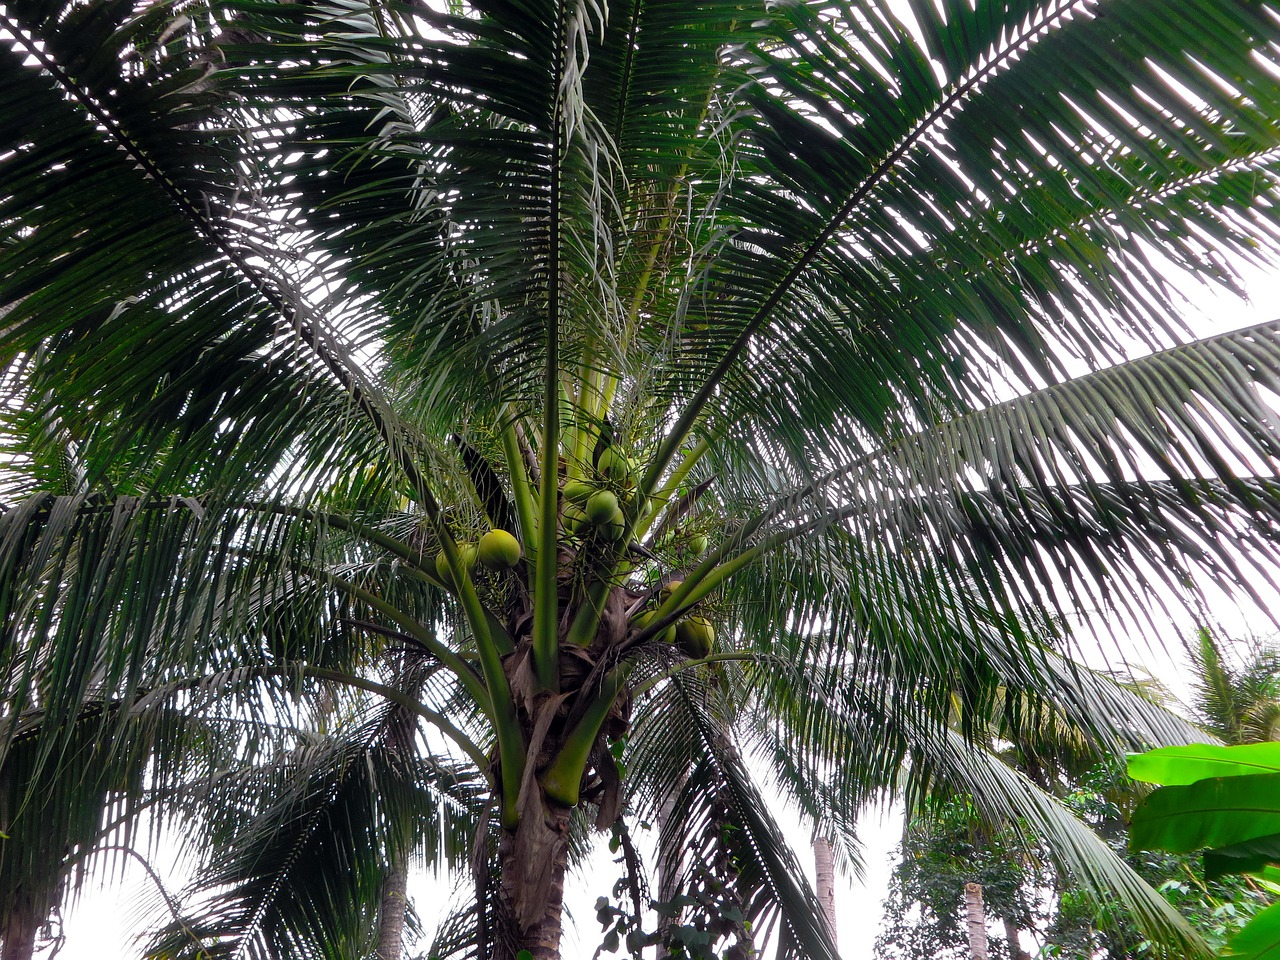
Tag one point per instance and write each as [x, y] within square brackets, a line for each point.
[303, 858]
[901, 243]
[1080, 495]
[109, 122]
[1010, 798]
[716, 824]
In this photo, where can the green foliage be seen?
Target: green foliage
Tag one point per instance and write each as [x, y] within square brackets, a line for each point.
[943, 849]
[938, 857]
[1216, 812]
[1236, 694]
[1220, 798]
[1184, 765]
[706, 924]
[705, 920]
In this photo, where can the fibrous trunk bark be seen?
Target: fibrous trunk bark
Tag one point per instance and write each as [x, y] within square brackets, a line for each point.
[1011, 938]
[669, 865]
[18, 937]
[532, 861]
[392, 911]
[977, 921]
[825, 874]
[399, 739]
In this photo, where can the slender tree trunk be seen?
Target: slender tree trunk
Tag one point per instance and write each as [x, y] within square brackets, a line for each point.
[977, 921]
[1011, 937]
[399, 740]
[392, 910]
[670, 863]
[825, 874]
[532, 861]
[18, 938]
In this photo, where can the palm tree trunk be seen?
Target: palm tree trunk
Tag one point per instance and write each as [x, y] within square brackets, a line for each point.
[669, 862]
[399, 739]
[1011, 938]
[825, 874]
[977, 921]
[392, 910]
[532, 861]
[18, 937]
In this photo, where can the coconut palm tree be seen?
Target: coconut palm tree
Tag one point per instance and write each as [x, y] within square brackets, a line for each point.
[594, 353]
[1238, 702]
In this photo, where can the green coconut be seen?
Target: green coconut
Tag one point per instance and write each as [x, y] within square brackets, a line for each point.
[601, 508]
[665, 636]
[698, 544]
[575, 519]
[696, 637]
[578, 491]
[467, 552]
[614, 465]
[616, 527]
[498, 550]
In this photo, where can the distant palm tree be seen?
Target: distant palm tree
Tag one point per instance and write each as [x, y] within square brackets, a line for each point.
[1235, 692]
[670, 378]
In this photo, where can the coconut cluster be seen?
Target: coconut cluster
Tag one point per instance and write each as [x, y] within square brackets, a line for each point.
[598, 510]
[497, 550]
[693, 634]
[603, 506]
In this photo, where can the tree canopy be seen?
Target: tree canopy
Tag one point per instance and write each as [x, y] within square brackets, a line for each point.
[816, 362]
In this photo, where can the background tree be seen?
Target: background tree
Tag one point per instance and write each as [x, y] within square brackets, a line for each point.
[1106, 799]
[670, 376]
[941, 852]
[1235, 692]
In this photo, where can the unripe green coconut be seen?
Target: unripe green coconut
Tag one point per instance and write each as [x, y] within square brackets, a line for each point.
[617, 526]
[467, 553]
[613, 464]
[698, 544]
[666, 636]
[696, 637]
[575, 519]
[578, 491]
[670, 587]
[601, 508]
[498, 550]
